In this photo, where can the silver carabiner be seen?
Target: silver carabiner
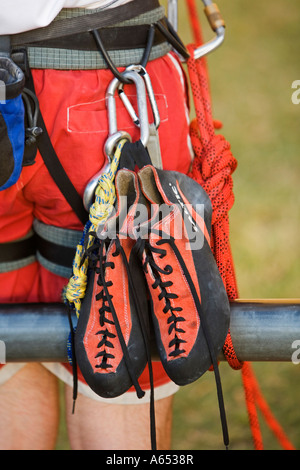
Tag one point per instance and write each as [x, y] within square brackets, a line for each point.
[217, 24]
[89, 192]
[112, 113]
[116, 135]
[143, 73]
[215, 20]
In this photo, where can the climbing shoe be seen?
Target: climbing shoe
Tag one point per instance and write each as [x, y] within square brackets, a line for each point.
[109, 341]
[189, 304]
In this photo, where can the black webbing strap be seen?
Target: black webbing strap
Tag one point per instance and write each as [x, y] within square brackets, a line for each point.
[18, 249]
[104, 18]
[55, 253]
[133, 155]
[55, 167]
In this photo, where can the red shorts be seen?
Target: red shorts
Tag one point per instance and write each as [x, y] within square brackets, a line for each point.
[74, 109]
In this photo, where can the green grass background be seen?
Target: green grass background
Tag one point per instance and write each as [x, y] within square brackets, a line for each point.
[251, 76]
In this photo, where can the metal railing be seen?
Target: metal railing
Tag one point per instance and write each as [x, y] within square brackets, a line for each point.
[261, 330]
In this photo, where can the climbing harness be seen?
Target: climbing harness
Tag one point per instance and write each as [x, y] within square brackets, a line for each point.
[212, 167]
[70, 30]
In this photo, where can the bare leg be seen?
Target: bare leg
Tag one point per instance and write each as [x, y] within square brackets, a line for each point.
[101, 426]
[29, 411]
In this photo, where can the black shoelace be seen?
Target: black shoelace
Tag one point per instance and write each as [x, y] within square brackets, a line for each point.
[95, 253]
[144, 246]
[107, 306]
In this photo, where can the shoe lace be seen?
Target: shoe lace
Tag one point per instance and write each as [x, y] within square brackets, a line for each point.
[106, 336]
[144, 246]
[98, 262]
[107, 306]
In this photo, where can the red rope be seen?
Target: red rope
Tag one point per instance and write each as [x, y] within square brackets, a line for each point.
[193, 16]
[254, 400]
[212, 167]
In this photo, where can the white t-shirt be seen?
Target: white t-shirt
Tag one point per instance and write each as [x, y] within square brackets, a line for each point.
[17, 16]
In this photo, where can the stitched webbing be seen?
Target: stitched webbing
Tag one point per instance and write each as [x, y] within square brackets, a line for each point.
[85, 22]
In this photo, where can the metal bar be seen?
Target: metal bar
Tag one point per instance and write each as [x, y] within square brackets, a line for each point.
[34, 332]
[265, 330]
[261, 330]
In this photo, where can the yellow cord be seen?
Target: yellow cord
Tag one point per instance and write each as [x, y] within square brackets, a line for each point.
[105, 197]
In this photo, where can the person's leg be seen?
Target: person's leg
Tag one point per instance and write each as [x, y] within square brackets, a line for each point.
[29, 412]
[100, 426]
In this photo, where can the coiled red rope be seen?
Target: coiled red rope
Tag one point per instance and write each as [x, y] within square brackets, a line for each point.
[212, 167]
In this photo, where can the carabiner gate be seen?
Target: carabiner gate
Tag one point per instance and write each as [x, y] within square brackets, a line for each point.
[116, 135]
[144, 74]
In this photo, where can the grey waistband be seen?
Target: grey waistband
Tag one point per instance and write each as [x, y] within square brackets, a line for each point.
[60, 239]
[60, 236]
[86, 20]
[18, 264]
[26, 255]
[66, 59]
[63, 239]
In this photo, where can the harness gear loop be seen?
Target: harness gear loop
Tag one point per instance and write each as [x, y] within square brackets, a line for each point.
[120, 76]
[32, 108]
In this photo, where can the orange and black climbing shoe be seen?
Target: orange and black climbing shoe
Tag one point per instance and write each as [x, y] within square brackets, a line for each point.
[109, 339]
[190, 308]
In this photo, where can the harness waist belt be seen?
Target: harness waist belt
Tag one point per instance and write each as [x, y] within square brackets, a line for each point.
[56, 254]
[56, 247]
[53, 247]
[72, 46]
[17, 254]
[86, 21]
[18, 249]
[119, 38]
